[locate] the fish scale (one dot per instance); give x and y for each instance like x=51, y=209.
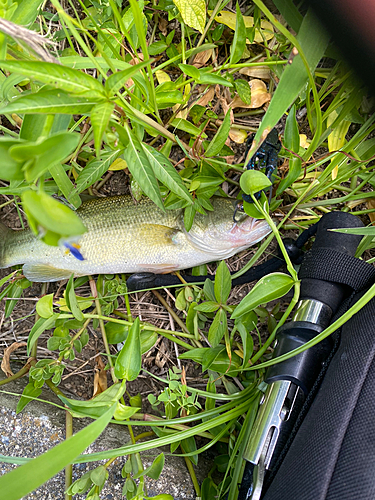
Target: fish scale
x=126, y=237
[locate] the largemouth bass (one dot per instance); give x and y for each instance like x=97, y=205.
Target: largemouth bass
x=124, y=237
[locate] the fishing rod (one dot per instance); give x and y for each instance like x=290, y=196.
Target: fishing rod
x=329, y=273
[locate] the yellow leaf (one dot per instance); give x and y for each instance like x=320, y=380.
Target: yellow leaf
x=193, y=13
x=118, y=164
x=238, y=136
x=83, y=304
x=229, y=19
x=336, y=138
x=262, y=72
x=259, y=96
x=303, y=142
x=162, y=76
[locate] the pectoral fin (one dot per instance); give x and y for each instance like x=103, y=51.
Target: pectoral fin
x=163, y=235
x=44, y=272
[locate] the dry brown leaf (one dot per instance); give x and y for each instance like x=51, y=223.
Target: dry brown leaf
x=237, y=135
x=161, y=359
x=5, y=364
x=100, y=377
x=371, y=205
x=262, y=72
x=259, y=96
x=202, y=58
x=163, y=23
x=207, y=97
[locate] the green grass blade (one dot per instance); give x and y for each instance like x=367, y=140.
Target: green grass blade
x=100, y=116
x=26, y=478
x=68, y=79
x=26, y=12
x=95, y=169
x=313, y=41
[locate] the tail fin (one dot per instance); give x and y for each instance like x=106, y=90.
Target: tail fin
x=4, y=234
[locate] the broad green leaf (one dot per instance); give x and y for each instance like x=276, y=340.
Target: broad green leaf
x=220, y=137
x=118, y=80
x=11, y=170
x=27, y=11
x=223, y=283
x=42, y=154
x=314, y=41
x=51, y=101
x=98, y=475
x=166, y=173
x=64, y=78
x=271, y=287
x=71, y=299
x=243, y=90
x=188, y=127
x=141, y=170
x=210, y=79
x=247, y=343
x=129, y=360
x=52, y=215
x=21, y=481
x=239, y=40
x=94, y=170
x=189, y=446
x=190, y=70
x=154, y=470
x=209, y=306
x=40, y=326
x=193, y=13
x=167, y=99
x=64, y=183
x=252, y=181
x=44, y=306
x=29, y=392
x=100, y=116
x=218, y=328
x=123, y=412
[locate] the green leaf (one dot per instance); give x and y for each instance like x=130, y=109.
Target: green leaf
x=51, y=101
x=154, y=470
x=314, y=41
x=27, y=11
x=193, y=13
x=118, y=80
x=166, y=173
x=43, y=210
x=44, y=306
x=40, y=326
x=239, y=39
x=189, y=446
x=210, y=79
x=223, y=283
x=28, y=394
x=220, y=137
x=291, y=142
x=188, y=127
x=271, y=287
x=61, y=77
x=243, y=90
x=64, y=183
x=100, y=116
x=253, y=181
x=218, y=328
x=124, y=412
x=247, y=343
x=71, y=299
x=98, y=475
x=11, y=170
x=190, y=70
x=209, y=306
x=44, y=153
x=129, y=360
x=21, y=481
x=95, y=169
x=141, y=169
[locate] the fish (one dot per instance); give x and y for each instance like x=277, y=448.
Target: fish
x=127, y=237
